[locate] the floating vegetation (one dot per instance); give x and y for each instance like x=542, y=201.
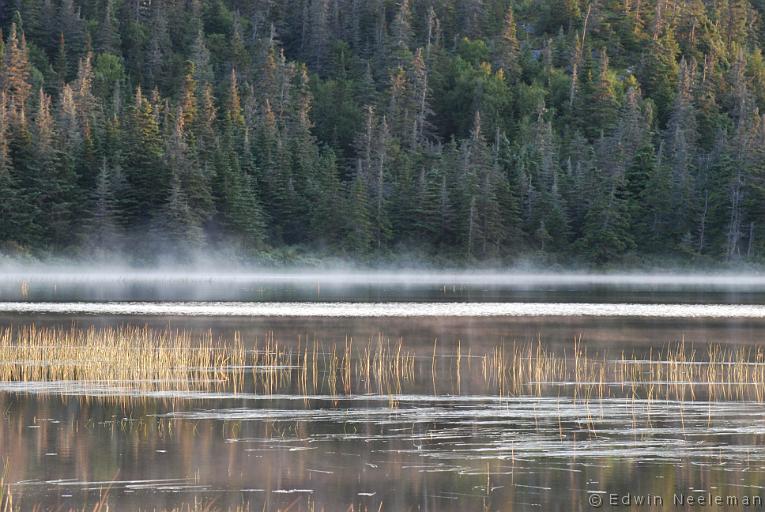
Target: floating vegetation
x=183, y=364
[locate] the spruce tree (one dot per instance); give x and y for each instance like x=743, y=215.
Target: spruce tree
x=508, y=50
x=102, y=229
x=9, y=194
x=358, y=238
x=607, y=236
x=147, y=180
x=174, y=226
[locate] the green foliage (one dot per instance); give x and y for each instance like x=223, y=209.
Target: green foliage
x=465, y=130
x=660, y=72
x=607, y=234
x=109, y=73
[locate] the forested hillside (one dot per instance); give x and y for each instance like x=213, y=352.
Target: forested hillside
x=463, y=130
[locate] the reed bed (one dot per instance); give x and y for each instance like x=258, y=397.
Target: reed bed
x=142, y=359
x=677, y=372
x=135, y=356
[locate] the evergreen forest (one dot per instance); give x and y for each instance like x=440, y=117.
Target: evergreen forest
x=604, y=132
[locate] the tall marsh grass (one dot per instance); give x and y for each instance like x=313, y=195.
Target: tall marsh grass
x=142, y=358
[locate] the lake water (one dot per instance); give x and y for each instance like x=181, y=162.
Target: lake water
x=446, y=434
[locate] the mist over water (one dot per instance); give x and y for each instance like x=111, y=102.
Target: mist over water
x=68, y=283
x=403, y=277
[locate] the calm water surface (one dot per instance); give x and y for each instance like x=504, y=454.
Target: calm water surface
x=436, y=443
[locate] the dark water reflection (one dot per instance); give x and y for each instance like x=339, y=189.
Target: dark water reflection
x=615, y=334
x=392, y=286
x=509, y=456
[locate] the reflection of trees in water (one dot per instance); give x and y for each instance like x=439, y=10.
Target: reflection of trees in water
x=457, y=454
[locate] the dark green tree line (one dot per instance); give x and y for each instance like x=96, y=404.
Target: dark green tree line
x=458, y=130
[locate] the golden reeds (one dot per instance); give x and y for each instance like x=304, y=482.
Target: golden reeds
x=140, y=359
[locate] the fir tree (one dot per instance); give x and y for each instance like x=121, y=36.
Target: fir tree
x=358, y=237
x=607, y=236
x=147, y=180
x=9, y=194
x=508, y=48
x=174, y=223
x=102, y=229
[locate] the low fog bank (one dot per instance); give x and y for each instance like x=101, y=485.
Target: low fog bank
x=335, y=274
x=403, y=268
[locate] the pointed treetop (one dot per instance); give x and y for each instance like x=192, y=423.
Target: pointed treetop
x=234, y=112
x=44, y=120
x=402, y=25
